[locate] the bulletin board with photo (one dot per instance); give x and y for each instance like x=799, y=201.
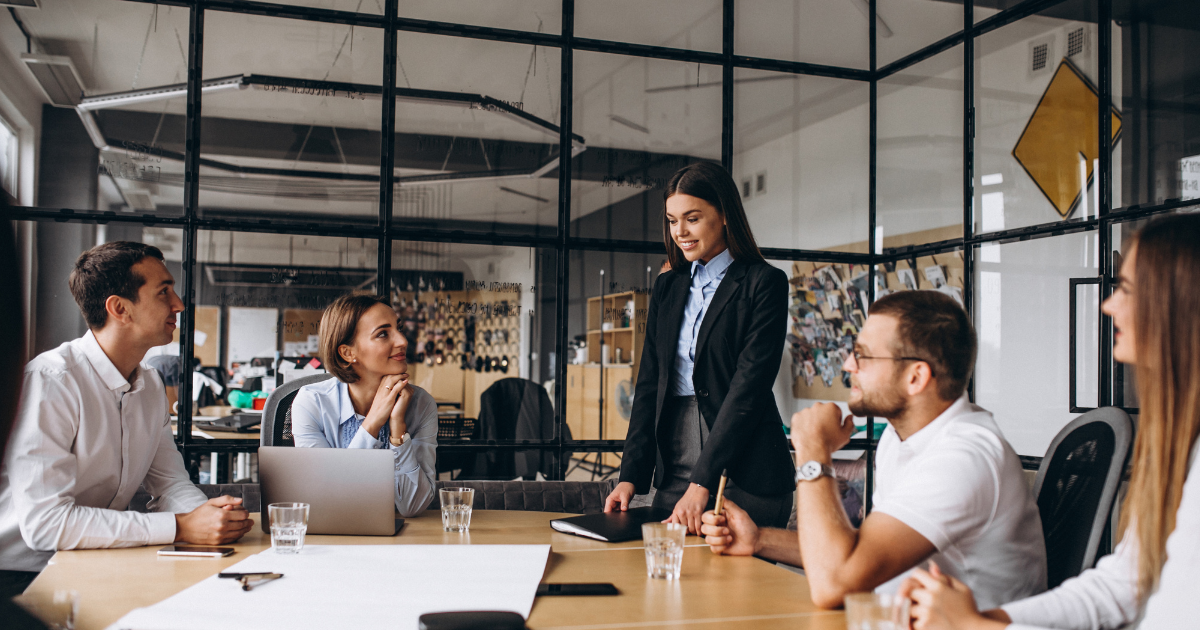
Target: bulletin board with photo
x=829, y=304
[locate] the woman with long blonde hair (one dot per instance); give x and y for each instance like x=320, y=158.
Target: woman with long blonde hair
x=1154, y=575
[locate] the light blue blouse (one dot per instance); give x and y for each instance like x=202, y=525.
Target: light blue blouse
x=705, y=280
x=322, y=413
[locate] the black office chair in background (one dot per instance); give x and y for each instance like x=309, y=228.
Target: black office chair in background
x=276, y=428
x=515, y=409
x=1075, y=487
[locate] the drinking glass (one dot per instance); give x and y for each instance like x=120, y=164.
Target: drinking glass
x=289, y=523
x=664, y=549
x=873, y=611
x=456, y=508
x=57, y=609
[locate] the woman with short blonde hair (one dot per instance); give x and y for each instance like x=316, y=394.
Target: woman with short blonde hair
x=370, y=403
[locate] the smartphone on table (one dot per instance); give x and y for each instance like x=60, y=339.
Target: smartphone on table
x=196, y=551
x=569, y=590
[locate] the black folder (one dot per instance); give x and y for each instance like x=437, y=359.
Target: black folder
x=611, y=526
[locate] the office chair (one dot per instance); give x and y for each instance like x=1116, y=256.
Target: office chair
x=515, y=409
x=276, y=428
x=1075, y=487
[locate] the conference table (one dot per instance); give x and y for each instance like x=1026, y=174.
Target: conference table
x=712, y=591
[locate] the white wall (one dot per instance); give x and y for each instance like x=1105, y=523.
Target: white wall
x=817, y=184
x=1021, y=289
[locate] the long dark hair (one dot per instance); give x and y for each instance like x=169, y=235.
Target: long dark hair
x=707, y=181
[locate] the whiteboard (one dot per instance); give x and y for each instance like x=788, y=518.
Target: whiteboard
x=252, y=333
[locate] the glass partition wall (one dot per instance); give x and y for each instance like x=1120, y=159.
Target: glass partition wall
x=498, y=173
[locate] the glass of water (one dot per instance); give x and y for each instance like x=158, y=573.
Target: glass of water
x=873, y=611
x=456, y=508
x=289, y=523
x=664, y=549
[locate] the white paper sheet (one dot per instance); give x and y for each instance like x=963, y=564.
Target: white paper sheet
x=355, y=586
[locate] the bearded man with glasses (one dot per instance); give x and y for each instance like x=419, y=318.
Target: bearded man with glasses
x=948, y=485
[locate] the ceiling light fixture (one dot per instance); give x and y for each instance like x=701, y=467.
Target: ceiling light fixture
x=176, y=90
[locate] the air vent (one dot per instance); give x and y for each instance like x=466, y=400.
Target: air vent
x=57, y=77
x=139, y=200
x=292, y=277
x=1040, y=54
x=747, y=192
x=1076, y=40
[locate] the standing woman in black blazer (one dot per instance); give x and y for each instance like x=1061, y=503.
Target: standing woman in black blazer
x=714, y=339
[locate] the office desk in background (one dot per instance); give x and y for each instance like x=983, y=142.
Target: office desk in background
x=241, y=461
x=713, y=592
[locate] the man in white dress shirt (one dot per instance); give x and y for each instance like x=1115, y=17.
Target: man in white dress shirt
x=948, y=486
x=93, y=426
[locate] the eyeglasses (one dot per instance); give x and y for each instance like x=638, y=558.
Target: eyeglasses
x=858, y=357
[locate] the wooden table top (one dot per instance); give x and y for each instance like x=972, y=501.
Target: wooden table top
x=713, y=591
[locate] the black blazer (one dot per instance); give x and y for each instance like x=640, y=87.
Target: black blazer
x=738, y=352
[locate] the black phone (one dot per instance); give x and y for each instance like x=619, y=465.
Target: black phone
x=593, y=588
x=195, y=550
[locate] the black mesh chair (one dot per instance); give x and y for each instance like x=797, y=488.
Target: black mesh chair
x=1075, y=487
x=276, y=428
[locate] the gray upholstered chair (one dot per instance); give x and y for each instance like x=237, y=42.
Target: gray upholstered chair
x=576, y=497
x=276, y=428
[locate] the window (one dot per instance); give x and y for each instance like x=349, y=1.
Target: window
x=9, y=167
x=499, y=174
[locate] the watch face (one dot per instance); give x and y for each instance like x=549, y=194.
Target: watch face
x=810, y=471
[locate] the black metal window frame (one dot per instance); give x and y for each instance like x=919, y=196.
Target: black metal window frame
x=391, y=24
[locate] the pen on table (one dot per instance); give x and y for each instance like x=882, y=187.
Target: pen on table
x=721, y=493
x=246, y=578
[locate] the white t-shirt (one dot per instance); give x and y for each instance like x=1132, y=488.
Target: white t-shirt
x=958, y=483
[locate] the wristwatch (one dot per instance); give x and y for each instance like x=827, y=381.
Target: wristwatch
x=813, y=470
x=406, y=437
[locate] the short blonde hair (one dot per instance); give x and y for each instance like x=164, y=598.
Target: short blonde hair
x=338, y=323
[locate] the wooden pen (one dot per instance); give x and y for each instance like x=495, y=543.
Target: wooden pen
x=721, y=493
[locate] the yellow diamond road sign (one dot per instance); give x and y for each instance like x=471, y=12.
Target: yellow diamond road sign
x=1062, y=131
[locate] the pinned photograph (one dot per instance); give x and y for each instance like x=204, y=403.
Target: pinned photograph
x=953, y=292
x=908, y=280
x=829, y=278
x=936, y=276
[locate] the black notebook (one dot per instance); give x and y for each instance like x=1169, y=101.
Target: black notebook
x=611, y=526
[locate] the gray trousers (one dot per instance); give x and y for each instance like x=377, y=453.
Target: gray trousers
x=682, y=434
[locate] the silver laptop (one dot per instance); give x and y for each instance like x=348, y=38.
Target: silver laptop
x=351, y=491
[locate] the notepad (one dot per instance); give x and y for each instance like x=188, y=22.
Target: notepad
x=355, y=586
x=611, y=526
